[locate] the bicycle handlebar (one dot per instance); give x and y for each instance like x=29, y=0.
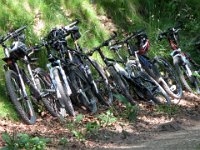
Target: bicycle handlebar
x=173, y=30
x=12, y=34
x=131, y=36
x=105, y=43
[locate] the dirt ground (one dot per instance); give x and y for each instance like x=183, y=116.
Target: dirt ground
x=151, y=130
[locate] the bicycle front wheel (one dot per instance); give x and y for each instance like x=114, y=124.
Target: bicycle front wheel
x=22, y=104
x=190, y=82
x=120, y=84
x=82, y=90
x=149, y=89
x=103, y=91
x=64, y=98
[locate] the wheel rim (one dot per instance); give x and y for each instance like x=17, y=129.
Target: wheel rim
x=168, y=76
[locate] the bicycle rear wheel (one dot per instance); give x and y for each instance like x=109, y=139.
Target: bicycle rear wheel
x=82, y=89
x=22, y=104
x=169, y=79
x=119, y=84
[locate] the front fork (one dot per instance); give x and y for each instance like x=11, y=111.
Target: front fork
x=88, y=74
x=51, y=69
x=182, y=61
x=21, y=82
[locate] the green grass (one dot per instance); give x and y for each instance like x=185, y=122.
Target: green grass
x=127, y=15
x=169, y=110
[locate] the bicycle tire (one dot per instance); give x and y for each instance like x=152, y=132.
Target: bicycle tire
x=169, y=80
x=63, y=95
x=104, y=95
x=148, y=89
x=82, y=89
x=192, y=80
x=28, y=117
x=159, y=91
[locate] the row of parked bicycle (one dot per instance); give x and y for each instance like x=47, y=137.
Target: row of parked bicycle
x=74, y=78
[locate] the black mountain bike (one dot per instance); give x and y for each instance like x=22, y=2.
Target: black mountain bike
x=183, y=63
x=24, y=85
x=121, y=78
x=91, y=69
x=145, y=87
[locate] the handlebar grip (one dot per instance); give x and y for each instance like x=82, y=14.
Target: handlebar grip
x=20, y=29
x=179, y=25
x=159, y=37
x=139, y=32
x=74, y=23
x=37, y=47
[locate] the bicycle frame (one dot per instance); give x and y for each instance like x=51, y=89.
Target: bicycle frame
x=86, y=69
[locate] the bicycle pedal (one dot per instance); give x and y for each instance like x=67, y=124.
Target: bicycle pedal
x=44, y=94
x=173, y=88
x=50, y=90
x=151, y=102
x=93, y=106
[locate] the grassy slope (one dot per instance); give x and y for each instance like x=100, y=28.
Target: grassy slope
x=127, y=15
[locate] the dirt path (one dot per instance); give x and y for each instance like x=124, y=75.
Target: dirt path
x=181, y=131
x=152, y=129
x=184, y=139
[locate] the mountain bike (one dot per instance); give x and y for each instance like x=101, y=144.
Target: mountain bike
x=143, y=85
x=91, y=69
x=182, y=62
x=122, y=78
x=23, y=86
x=60, y=84
x=158, y=68
x=72, y=75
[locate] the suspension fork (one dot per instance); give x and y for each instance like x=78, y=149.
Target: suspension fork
x=91, y=79
x=21, y=81
x=138, y=61
x=183, y=62
x=65, y=78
